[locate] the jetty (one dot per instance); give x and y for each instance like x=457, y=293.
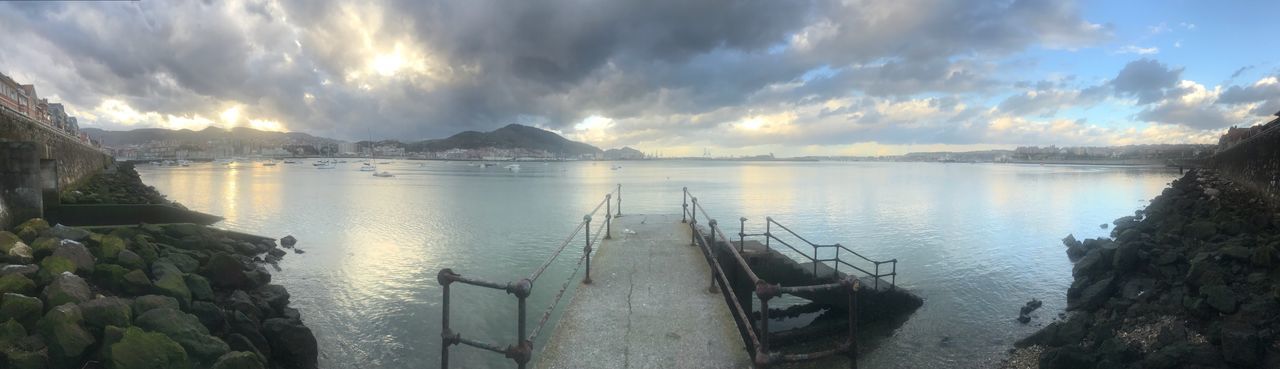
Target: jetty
x=676, y=290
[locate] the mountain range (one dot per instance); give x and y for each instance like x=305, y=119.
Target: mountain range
x=201, y=137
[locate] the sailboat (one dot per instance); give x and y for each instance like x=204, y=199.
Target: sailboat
x=368, y=168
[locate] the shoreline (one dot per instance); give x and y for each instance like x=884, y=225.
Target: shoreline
x=1189, y=281
x=148, y=295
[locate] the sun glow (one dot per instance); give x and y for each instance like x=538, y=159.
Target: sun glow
x=231, y=115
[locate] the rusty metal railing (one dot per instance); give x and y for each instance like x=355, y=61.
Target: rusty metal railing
x=756, y=337
x=836, y=261
x=522, y=351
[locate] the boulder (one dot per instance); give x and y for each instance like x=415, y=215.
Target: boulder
x=28, y=270
x=109, y=276
x=22, y=359
x=289, y=241
x=238, y=360
x=1093, y=296
x=26, y=310
x=1237, y=252
x=199, y=287
x=20, y=253
x=144, y=248
x=1263, y=256
x=1240, y=344
x=130, y=259
x=43, y=246
x=7, y=240
x=225, y=271
x=1126, y=256
x=139, y=349
x=210, y=315
x=186, y=330
x=143, y=304
x=240, y=301
x=1075, y=249
x=1202, y=229
x=238, y=342
x=257, y=277
x=163, y=267
x=17, y=283
x=173, y=285
x=68, y=233
x=1219, y=297
x=183, y=262
x=135, y=282
x=274, y=296
x=292, y=344
x=31, y=229
x=66, y=339
x=1066, y=357
x=10, y=332
x=1093, y=261
x=66, y=288
x=184, y=230
x=102, y=312
x=247, y=326
x=53, y=266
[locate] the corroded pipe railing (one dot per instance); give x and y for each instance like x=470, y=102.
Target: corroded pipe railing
x=522, y=351
x=757, y=338
x=877, y=276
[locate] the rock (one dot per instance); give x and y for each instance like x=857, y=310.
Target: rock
x=1024, y=318
x=1263, y=256
x=240, y=301
x=144, y=248
x=1103, y=225
x=25, y=310
x=11, y=332
x=199, y=287
x=185, y=263
x=1094, y=260
x=130, y=259
x=20, y=359
x=1136, y=288
x=186, y=330
x=275, y=296
x=238, y=342
x=1126, y=256
x=162, y=268
x=66, y=288
x=20, y=253
x=147, y=303
x=144, y=350
x=109, y=276
x=1240, y=344
x=210, y=315
x=238, y=360
x=1219, y=297
x=64, y=336
x=7, y=240
x=184, y=230
x=289, y=241
x=277, y=253
x=28, y=270
x=31, y=229
x=68, y=233
x=246, y=326
x=1092, y=297
x=53, y=266
x=43, y=246
x=291, y=343
x=225, y=271
x=1202, y=229
x=17, y=283
x=102, y=312
x=1237, y=252
x=173, y=285
x=135, y=282
x=111, y=248
x=257, y=277
x=1067, y=357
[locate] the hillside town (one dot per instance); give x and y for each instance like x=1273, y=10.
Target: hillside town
x=23, y=100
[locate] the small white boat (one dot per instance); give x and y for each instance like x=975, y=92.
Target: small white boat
x=513, y=167
x=326, y=166
x=269, y=163
x=184, y=163
x=616, y=167
x=383, y=174
x=155, y=163
x=290, y=162
x=384, y=162
x=368, y=168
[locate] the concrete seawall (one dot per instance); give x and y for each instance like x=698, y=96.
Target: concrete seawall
x=35, y=162
x=1254, y=163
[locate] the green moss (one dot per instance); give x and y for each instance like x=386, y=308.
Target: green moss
x=110, y=276
x=43, y=246
x=17, y=283
x=143, y=350
x=7, y=239
x=173, y=285
x=110, y=247
x=144, y=248
x=53, y=266
x=24, y=309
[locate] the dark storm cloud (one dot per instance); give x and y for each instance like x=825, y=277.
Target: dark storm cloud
x=1147, y=80
x=651, y=65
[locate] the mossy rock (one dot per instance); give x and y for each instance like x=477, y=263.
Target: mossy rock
x=39, y=224
x=7, y=240
x=183, y=262
x=17, y=283
x=21, y=359
x=130, y=259
x=102, y=312
x=186, y=330
x=173, y=285
x=10, y=332
x=66, y=339
x=43, y=246
x=66, y=288
x=110, y=276
x=147, y=303
x=139, y=349
x=144, y=248
x=239, y=360
x=53, y=266
x=199, y=287
x=24, y=309
x=135, y=282
x=109, y=247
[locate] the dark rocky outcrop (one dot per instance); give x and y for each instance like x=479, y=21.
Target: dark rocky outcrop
x=1189, y=282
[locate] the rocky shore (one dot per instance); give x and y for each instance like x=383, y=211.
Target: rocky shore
x=145, y=296
x=1189, y=282
x=120, y=186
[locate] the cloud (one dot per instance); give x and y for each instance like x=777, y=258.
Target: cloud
x=1131, y=49
x=1147, y=80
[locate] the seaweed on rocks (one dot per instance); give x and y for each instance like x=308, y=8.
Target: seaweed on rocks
x=1189, y=282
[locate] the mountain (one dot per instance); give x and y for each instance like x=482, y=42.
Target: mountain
x=513, y=136
x=186, y=136
x=623, y=153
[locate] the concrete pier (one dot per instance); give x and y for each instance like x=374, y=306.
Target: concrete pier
x=648, y=306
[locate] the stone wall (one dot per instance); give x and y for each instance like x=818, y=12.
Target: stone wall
x=1255, y=163
x=35, y=162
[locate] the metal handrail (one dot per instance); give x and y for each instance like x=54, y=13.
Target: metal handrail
x=893, y=274
x=758, y=342
x=522, y=351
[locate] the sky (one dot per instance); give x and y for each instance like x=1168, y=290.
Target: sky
x=669, y=77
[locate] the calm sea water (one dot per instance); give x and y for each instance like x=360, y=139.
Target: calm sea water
x=975, y=240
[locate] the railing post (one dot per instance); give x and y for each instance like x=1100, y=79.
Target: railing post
x=838, y=247
x=711, y=249
x=619, y=201
x=693, y=222
x=447, y=338
x=877, y=277
x=523, y=350
x=684, y=205
x=768, y=225
x=765, y=292
x=586, y=250
x=893, y=283
x=608, y=218
x=742, y=233
x=815, y=261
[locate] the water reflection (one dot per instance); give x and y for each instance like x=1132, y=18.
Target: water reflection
x=977, y=240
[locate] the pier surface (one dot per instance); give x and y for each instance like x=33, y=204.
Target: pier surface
x=648, y=306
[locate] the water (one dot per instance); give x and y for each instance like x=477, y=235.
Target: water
x=975, y=240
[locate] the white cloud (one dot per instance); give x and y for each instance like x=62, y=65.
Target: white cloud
x=1133, y=49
